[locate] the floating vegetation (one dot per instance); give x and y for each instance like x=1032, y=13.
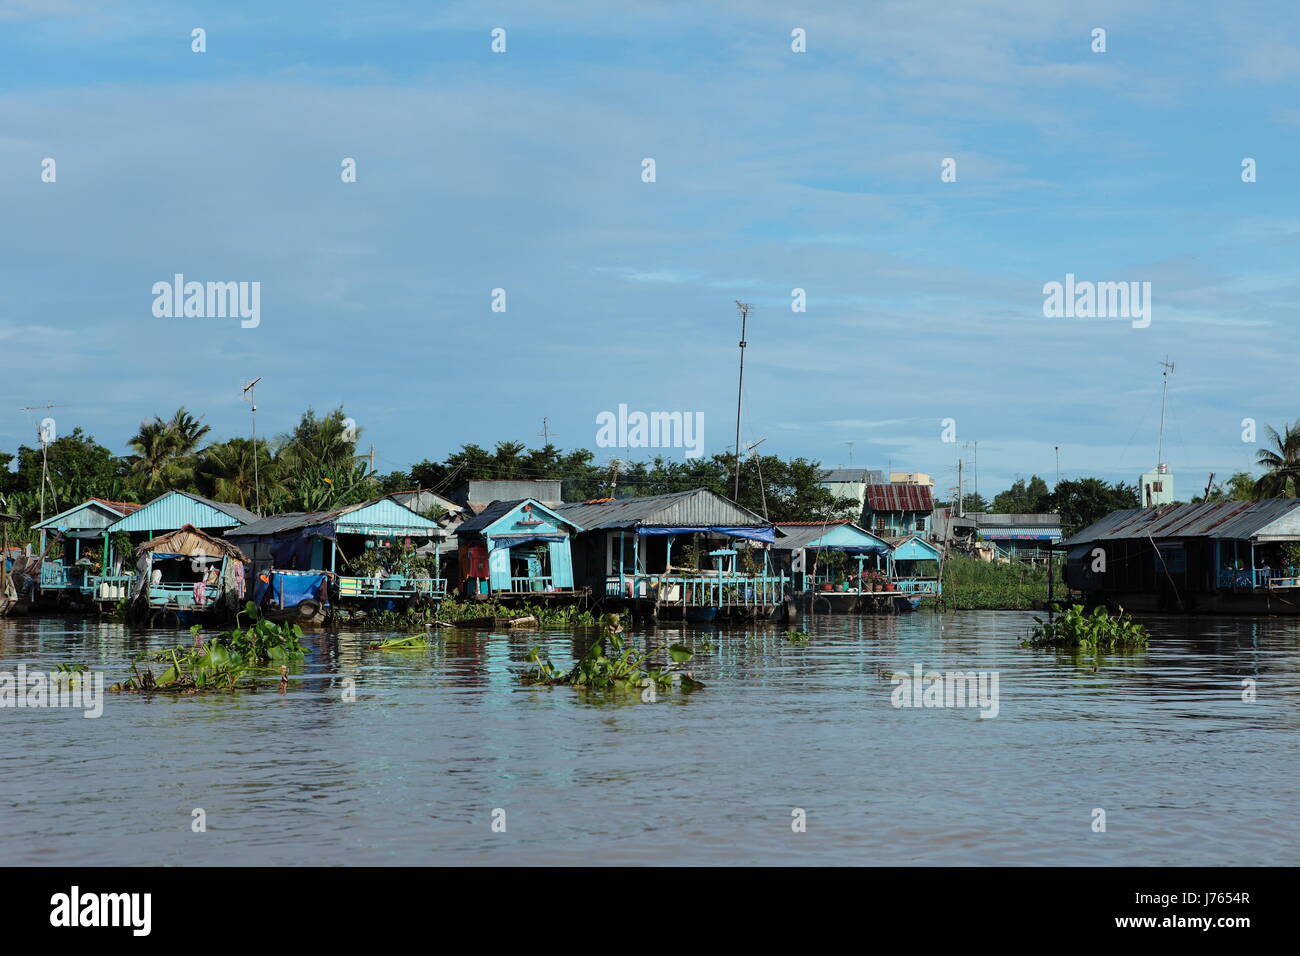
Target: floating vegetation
x=414, y=642
x=226, y=662
x=1074, y=628
x=795, y=636
x=454, y=612
x=611, y=665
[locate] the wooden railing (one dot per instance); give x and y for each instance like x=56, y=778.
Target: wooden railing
x=725, y=590
x=391, y=587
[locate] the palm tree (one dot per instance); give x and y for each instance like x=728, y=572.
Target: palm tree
x=164, y=450
x=154, y=461
x=1282, y=463
x=225, y=471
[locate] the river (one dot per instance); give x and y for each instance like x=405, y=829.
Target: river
x=792, y=753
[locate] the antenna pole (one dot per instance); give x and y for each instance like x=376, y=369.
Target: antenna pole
x=740, y=389
x=249, y=390
x=1164, y=392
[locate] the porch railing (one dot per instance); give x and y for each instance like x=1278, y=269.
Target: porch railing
x=182, y=593
x=728, y=590
x=918, y=585
x=532, y=584
x=108, y=587
x=391, y=587
x=1251, y=579
x=54, y=574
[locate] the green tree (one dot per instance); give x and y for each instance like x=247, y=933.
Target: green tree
x=226, y=471
x=1281, y=478
x=1023, y=497
x=1084, y=500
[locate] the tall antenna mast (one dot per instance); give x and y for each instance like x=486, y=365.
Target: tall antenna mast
x=45, y=436
x=546, y=434
x=252, y=399
x=1164, y=392
x=744, y=308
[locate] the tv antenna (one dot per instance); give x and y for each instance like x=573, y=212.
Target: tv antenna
x=744, y=308
x=1164, y=393
x=546, y=434
x=251, y=398
x=46, y=433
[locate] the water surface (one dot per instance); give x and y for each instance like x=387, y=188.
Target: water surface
x=411, y=771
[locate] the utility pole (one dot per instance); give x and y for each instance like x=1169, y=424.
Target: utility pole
x=372, y=458
x=613, y=483
x=850, y=444
x=1058, y=466
x=252, y=400
x=740, y=389
x=961, y=513
x=1209, y=486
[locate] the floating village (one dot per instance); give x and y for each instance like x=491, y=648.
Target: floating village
x=689, y=556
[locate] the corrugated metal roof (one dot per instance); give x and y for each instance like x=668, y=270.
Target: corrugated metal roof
x=91, y=513
x=406, y=519
x=175, y=509
x=696, y=508
x=800, y=534
x=1215, y=519
x=899, y=497
x=1010, y=520
x=865, y=476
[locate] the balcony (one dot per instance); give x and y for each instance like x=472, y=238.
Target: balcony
x=1255, y=579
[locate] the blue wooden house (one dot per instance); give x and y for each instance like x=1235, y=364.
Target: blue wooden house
x=916, y=567
x=81, y=530
x=514, y=548
x=376, y=554
x=170, y=511
x=898, y=509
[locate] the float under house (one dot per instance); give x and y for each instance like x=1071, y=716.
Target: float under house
x=184, y=575
x=692, y=554
x=838, y=565
x=1236, y=557
x=518, y=548
x=81, y=533
x=170, y=511
x=376, y=555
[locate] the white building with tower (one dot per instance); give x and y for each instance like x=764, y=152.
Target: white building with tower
x=1156, y=487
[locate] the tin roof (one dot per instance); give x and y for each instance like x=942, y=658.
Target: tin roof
x=1009, y=520
x=801, y=534
x=899, y=497
x=866, y=476
x=175, y=509
x=696, y=508
x=1239, y=520
x=403, y=520
x=499, y=509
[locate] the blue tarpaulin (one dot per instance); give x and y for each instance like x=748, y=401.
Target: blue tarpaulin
x=295, y=588
x=754, y=534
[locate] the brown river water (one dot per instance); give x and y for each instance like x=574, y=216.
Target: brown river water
x=793, y=753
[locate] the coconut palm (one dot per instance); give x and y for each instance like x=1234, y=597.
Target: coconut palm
x=164, y=450
x=1281, y=478
x=226, y=472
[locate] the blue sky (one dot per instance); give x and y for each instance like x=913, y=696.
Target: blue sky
x=775, y=170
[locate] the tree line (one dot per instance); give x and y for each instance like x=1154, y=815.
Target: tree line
x=315, y=467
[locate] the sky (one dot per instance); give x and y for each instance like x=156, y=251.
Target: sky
x=775, y=170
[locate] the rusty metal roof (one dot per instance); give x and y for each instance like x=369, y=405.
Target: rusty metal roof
x=1215, y=519
x=899, y=497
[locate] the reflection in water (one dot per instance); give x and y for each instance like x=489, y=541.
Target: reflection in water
x=410, y=770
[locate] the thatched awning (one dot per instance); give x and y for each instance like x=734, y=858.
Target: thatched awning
x=190, y=541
